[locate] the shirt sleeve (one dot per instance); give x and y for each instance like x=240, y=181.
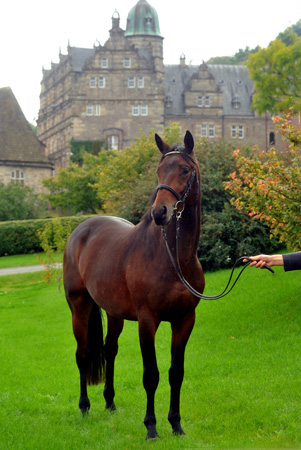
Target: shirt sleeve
x=292, y=261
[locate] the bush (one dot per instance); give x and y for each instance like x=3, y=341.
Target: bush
x=19, y=203
x=21, y=236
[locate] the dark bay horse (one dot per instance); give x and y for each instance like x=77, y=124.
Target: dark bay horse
x=124, y=269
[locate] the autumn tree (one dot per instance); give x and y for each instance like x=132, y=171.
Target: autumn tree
x=268, y=185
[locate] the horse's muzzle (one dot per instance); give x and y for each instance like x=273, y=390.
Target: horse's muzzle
x=160, y=215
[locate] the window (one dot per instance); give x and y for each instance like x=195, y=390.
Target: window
x=139, y=110
x=233, y=131
x=207, y=102
x=144, y=110
x=237, y=131
x=17, y=176
x=89, y=110
x=92, y=82
x=140, y=82
x=127, y=62
x=104, y=63
x=131, y=82
x=200, y=102
x=97, y=110
x=211, y=130
x=101, y=82
x=113, y=142
x=272, y=138
x=204, y=130
x=135, y=110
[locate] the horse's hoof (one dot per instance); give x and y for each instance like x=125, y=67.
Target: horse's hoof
x=111, y=406
x=152, y=437
x=178, y=431
x=84, y=405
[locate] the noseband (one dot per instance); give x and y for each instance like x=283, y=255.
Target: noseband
x=180, y=204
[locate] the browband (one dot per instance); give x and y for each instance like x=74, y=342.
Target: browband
x=178, y=152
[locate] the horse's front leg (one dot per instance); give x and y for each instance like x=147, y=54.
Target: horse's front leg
x=147, y=330
x=115, y=327
x=180, y=335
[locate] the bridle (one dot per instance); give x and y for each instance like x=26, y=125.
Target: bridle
x=180, y=204
x=178, y=210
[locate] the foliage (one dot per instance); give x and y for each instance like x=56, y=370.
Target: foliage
x=18, y=202
x=79, y=148
x=74, y=187
x=21, y=236
x=127, y=181
x=286, y=35
x=239, y=57
x=226, y=234
x=53, y=238
x=276, y=73
x=268, y=186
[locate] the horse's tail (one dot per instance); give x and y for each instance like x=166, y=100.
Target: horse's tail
x=96, y=369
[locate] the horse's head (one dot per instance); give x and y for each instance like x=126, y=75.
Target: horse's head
x=176, y=175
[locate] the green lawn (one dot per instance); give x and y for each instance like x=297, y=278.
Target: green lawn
x=242, y=372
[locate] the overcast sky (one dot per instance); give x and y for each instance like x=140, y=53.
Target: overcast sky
x=32, y=32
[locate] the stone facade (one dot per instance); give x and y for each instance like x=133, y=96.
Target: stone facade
x=111, y=92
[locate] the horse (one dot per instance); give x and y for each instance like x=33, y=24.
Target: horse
x=125, y=270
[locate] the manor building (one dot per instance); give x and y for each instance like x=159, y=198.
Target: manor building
x=111, y=92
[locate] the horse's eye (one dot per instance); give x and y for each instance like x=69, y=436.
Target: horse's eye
x=185, y=170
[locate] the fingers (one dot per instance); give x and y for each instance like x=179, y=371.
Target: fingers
x=259, y=261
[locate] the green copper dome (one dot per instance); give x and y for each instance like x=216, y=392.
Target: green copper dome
x=142, y=20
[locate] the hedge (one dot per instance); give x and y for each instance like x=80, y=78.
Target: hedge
x=20, y=236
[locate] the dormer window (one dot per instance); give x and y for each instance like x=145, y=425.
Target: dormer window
x=148, y=20
x=236, y=101
x=207, y=102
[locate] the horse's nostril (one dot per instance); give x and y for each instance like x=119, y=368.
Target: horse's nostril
x=159, y=215
x=163, y=211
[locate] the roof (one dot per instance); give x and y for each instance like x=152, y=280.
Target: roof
x=18, y=142
x=233, y=81
x=142, y=20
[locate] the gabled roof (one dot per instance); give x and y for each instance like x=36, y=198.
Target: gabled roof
x=233, y=81
x=18, y=144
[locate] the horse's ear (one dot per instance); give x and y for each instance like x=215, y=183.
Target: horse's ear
x=162, y=146
x=189, y=142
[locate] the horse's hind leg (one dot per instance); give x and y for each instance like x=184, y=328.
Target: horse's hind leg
x=180, y=335
x=87, y=328
x=115, y=327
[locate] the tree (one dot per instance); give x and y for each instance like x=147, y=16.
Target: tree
x=268, y=186
x=78, y=149
x=127, y=181
x=74, y=187
x=18, y=202
x=276, y=73
x=239, y=57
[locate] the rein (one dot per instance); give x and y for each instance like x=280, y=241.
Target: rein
x=193, y=291
x=178, y=210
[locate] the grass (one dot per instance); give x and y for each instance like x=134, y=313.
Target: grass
x=242, y=372
x=30, y=259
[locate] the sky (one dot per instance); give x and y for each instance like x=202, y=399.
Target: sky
x=33, y=32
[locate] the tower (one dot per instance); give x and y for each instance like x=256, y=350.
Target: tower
x=143, y=30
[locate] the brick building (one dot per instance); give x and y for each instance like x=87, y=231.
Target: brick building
x=111, y=92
